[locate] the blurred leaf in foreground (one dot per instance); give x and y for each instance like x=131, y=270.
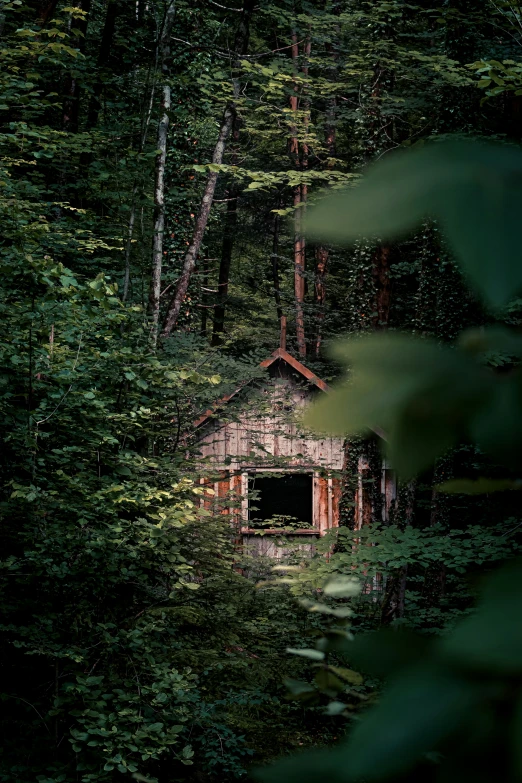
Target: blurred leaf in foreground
x=479, y=486
x=420, y=394
x=448, y=706
x=474, y=189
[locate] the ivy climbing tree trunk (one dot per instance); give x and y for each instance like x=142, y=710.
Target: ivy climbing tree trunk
x=381, y=274
x=299, y=267
x=159, y=178
x=322, y=253
x=321, y=265
x=229, y=116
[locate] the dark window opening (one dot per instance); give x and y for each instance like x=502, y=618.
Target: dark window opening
x=282, y=501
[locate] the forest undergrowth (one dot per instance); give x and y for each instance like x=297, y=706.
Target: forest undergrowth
x=158, y=161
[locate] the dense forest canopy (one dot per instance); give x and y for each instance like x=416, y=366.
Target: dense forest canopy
x=159, y=164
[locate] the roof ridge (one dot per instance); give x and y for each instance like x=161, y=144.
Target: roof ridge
x=279, y=353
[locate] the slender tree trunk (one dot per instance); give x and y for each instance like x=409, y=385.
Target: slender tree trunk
x=132, y=216
x=71, y=104
x=321, y=252
x=226, y=260
x=300, y=195
x=109, y=27
x=204, y=298
x=227, y=246
x=393, y=604
x=159, y=178
x=128, y=245
x=189, y=263
x=45, y=9
x=275, y=267
x=299, y=268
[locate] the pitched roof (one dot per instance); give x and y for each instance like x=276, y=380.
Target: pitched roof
x=278, y=354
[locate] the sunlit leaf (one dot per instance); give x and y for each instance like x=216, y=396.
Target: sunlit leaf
x=314, y=655
x=342, y=587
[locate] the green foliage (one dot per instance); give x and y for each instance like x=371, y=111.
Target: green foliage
x=450, y=711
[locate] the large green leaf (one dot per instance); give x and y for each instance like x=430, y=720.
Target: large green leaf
x=420, y=709
x=497, y=428
x=326, y=765
x=423, y=396
x=473, y=189
x=491, y=639
x=384, y=653
x=480, y=486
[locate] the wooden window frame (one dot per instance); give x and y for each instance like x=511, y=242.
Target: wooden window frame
x=316, y=530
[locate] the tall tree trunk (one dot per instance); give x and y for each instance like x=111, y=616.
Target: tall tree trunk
x=321, y=252
x=229, y=116
x=109, y=27
x=189, y=263
x=159, y=178
x=204, y=298
x=224, y=266
x=300, y=195
x=71, y=104
x=227, y=246
x=275, y=267
x=128, y=245
x=381, y=274
x=44, y=9
x=299, y=268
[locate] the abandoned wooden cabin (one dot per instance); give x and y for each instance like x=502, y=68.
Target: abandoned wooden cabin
x=272, y=476
x=281, y=478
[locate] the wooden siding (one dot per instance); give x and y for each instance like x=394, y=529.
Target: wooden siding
x=272, y=437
